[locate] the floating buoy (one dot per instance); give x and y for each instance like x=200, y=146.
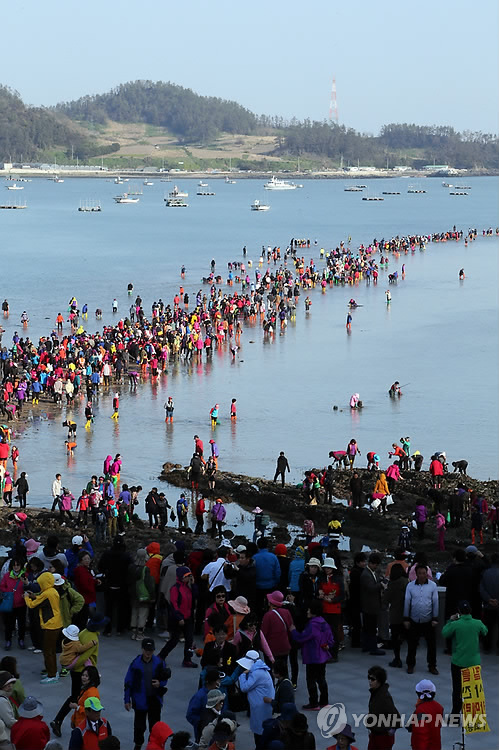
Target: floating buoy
x=335, y=408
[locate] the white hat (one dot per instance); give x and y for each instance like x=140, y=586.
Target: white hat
x=240, y=548
x=248, y=661
x=77, y=539
x=30, y=708
x=329, y=563
x=58, y=579
x=72, y=632
x=314, y=561
x=426, y=688
x=257, y=510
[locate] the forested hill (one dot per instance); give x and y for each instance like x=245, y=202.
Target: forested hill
x=26, y=131
x=186, y=114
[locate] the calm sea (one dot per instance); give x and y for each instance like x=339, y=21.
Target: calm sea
x=438, y=336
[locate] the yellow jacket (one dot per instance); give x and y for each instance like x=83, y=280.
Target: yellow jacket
x=47, y=602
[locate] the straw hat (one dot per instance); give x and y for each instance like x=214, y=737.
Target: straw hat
x=240, y=605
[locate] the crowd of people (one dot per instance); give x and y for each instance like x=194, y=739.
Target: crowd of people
x=252, y=610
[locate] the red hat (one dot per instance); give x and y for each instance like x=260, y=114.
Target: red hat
x=281, y=549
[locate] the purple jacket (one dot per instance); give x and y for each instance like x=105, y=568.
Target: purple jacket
x=218, y=512
x=421, y=514
x=316, y=641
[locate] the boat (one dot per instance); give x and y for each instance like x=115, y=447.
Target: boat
x=462, y=187
x=13, y=205
x=362, y=187
x=56, y=178
x=148, y=182
x=447, y=184
x=275, y=184
x=202, y=184
x=176, y=202
x=118, y=181
x=205, y=192
x=352, y=189
x=257, y=206
x=125, y=198
x=15, y=187
x=135, y=192
x=176, y=193
x=228, y=181
x=90, y=207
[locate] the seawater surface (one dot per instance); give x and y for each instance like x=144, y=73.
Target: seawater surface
x=438, y=335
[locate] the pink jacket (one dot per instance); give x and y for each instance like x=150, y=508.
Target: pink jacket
x=440, y=520
x=9, y=584
x=393, y=472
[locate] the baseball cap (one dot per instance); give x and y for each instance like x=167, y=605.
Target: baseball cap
x=77, y=539
x=148, y=644
x=240, y=548
x=94, y=704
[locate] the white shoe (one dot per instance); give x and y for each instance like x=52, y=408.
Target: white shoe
x=37, y=651
x=31, y=648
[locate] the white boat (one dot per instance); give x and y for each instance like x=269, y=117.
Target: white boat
x=90, y=207
x=447, y=184
x=15, y=187
x=176, y=193
x=125, y=198
x=118, y=181
x=257, y=206
x=229, y=181
x=148, y=182
x=275, y=184
x=56, y=178
x=202, y=184
x=462, y=187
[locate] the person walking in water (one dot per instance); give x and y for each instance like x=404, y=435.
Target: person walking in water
x=115, y=305
x=169, y=407
x=116, y=406
x=281, y=468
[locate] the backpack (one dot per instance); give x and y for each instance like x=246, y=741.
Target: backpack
x=141, y=589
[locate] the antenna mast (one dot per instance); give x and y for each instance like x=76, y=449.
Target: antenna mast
x=333, y=106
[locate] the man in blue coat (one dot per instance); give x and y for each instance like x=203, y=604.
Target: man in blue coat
x=145, y=685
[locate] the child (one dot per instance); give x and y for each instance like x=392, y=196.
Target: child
x=7, y=489
x=405, y=539
x=72, y=648
x=70, y=447
x=233, y=411
x=14, y=454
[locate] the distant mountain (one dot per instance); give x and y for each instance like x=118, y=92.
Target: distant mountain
x=188, y=115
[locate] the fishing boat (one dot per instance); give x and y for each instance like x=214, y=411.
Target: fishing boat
x=176, y=193
x=13, y=205
x=148, y=182
x=228, y=181
x=202, y=184
x=90, y=207
x=14, y=186
x=462, y=187
x=372, y=198
x=275, y=184
x=461, y=192
x=56, y=178
x=176, y=203
x=352, y=189
x=389, y=192
x=205, y=192
x=125, y=198
x=447, y=184
x=257, y=206
x=118, y=181
x=362, y=187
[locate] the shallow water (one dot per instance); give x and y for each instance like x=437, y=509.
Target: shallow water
x=438, y=335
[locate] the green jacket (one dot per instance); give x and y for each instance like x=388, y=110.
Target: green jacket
x=71, y=603
x=465, y=633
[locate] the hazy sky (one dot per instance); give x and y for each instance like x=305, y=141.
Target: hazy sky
x=431, y=61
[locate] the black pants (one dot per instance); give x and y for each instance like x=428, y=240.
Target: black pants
x=152, y=714
x=73, y=698
x=35, y=629
x=80, y=618
x=175, y=633
x=416, y=631
x=281, y=474
x=116, y=600
x=369, y=631
x=397, y=631
x=18, y=614
x=22, y=499
x=316, y=678
x=199, y=524
x=355, y=626
x=456, y=689
x=490, y=618
x=214, y=526
x=293, y=663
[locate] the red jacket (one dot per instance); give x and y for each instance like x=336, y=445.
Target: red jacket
x=426, y=734
x=85, y=583
x=30, y=734
x=159, y=735
x=436, y=468
x=276, y=626
x=9, y=584
x=84, y=738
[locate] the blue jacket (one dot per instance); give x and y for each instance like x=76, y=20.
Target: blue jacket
x=257, y=685
x=72, y=557
x=195, y=708
x=296, y=568
x=268, y=570
x=135, y=689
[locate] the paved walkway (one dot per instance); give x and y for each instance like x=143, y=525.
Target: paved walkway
x=347, y=684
